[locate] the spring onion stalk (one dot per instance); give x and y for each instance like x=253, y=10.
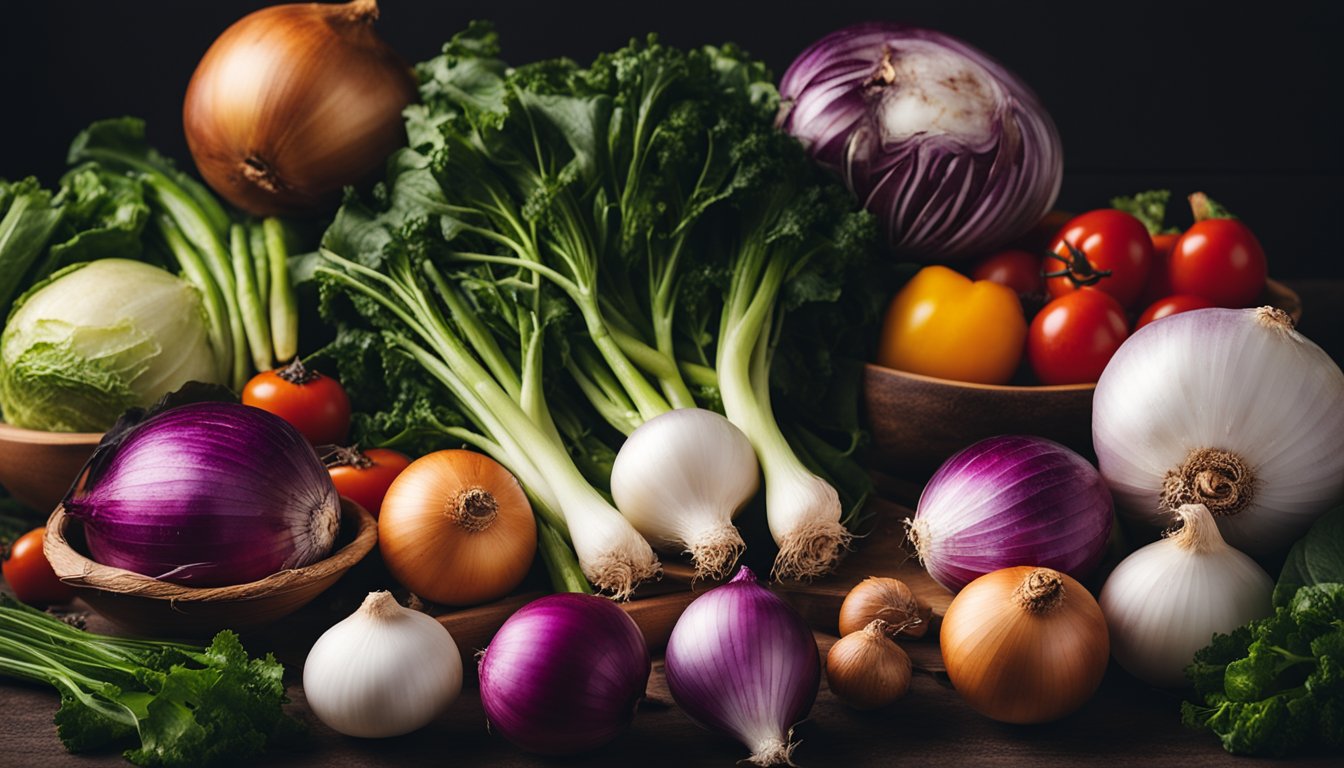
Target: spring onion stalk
x=198, y=274
x=613, y=556
x=283, y=306
x=256, y=323
x=261, y=264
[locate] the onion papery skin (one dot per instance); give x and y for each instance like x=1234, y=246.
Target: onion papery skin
x=564, y=674
x=1012, y=500
x=1236, y=381
x=940, y=191
x=293, y=102
x=210, y=495
x=741, y=661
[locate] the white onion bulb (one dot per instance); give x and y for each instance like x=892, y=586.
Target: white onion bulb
x=1230, y=408
x=1165, y=601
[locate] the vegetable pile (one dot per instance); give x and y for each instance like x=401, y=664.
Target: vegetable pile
x=563, y=246
x=174, y=704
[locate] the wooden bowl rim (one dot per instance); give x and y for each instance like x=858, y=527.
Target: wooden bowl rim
x=79, y=571
x=12, y=434
x=1285, y=298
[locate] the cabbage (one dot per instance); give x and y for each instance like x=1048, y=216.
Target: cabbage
x=98, y=338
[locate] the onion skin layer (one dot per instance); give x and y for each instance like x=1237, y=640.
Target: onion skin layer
x=564, y=674
x=293, y=102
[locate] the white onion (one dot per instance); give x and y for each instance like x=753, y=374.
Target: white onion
x=1239, y=395
x=1166, y=601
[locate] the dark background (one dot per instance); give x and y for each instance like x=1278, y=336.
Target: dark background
x=1238, y=100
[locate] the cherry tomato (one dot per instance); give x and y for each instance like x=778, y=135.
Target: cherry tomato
x=30, y=575
x=1221, y=260
x=1159, y=277
x=365, y=476
x=315, y=404
x=1017, y=269
x=1074, y=336
x=1112, y=241
x=1171, y=305
x=942, y=324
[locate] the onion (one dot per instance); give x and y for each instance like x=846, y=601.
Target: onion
x=456, y=528
x=952, y=152
x=741, y=661
x=564, y=673
x=207, y=494
x=1229, y=408
x=1025, y=645
x=866, y=669
x=292, y=103
x=1011, y=500
x=1164, y=602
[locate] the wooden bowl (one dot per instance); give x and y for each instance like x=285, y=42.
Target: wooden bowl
x=147, y=606
x=37, y=468
x=917, y=422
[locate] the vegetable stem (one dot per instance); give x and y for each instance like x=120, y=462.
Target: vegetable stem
x=283, y=306
x=256, y=324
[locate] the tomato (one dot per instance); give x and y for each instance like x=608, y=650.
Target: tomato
x=1159, y=277
x=1221, y=260
x=943, y=324
x=1074, y=336
x=1017, y=269
x=1171, y=305
x=30, y=575
x=365, y=476
x=315, y=404
x=1113, y=241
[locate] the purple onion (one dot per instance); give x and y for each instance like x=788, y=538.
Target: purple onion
x=741, y=661
x=208, y=494
x=952, y=153
x=564, y=673
x=1008, y=501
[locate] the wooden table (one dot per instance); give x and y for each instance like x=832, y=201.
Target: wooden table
x=1126, y=723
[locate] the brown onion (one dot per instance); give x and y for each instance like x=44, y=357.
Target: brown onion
x=879, y=597
x=1025, y=644
x=292, y=103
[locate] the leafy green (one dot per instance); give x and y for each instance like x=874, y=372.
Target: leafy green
x=29, y=217
x=617, y=233
x=1150, y=208
x=1317, y=558
x=173, y=704
x=1276, y=686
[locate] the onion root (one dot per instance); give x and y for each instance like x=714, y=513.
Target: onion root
x=810, y=550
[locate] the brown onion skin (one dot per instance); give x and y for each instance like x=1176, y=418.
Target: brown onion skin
x=293, y=102
x=1021, y=666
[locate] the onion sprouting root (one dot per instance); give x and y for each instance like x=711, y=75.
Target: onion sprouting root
x=811, y=549
x=618, y=575
x=715, y=550
x=774, y=752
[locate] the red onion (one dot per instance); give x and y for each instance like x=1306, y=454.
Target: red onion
x=741, y=661
x=952, y=152
x=207, y=494
x=564, y=673
x=1009, y=501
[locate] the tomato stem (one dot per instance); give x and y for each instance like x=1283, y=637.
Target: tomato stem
x=1204, y=208
x=339, y=456
x=1077, y=268
x=296, y=373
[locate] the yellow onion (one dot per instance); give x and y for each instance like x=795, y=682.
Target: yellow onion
x=456, y=528
x=1025, y=644
x=292, y=103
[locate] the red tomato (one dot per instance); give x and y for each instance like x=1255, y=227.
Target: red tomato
x=1017, y=269
x=315, y=404
x=365, y=477
x=1221, y=260
x=30, y=575
x=1074, y=336
x=1171, y=305
x=1112, y=241
x=1159, y=277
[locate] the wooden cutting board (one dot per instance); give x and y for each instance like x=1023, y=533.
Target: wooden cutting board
x=657, y=606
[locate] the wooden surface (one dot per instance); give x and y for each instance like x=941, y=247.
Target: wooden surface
x=1126, y=723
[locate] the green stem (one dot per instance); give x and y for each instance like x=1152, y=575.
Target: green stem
x=561, y=564
x=261, y=267
x=255, y=322
x=197, y=273
x=283, y=305
x=477, y=335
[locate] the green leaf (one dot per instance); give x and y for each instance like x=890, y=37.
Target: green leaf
x=1316, y=558
x=1150, y=208
x=30, y=219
